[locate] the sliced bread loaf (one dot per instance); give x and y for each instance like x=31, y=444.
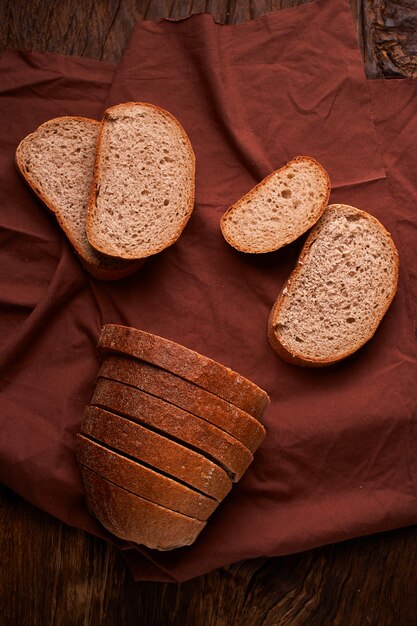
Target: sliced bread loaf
x=185, y=395
x=157, y=451
x=57, y=163
x=279, y=209
x=178, y=424
x=343, y=284
x=200, y=370
x=142, y=480
x=135, y=519
x=143, y=186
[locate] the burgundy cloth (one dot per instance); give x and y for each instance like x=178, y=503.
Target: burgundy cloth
x=338, y=460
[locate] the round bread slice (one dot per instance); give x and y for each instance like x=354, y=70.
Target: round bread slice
x=57, y=161
x=342, y=286
x=173, y=357
x=143, y=481
x=182, y=426
x=175, y=390
x=157, y=451
x=279, y=209
x=143, y=184
x=132, y=518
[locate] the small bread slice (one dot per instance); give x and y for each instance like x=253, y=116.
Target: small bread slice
x=196, y=368
x=182, y=426
x=143, y=186
x=143, y=481
x=56, y=161
x=342, y=286
x=157, y=451
x=279, y=209
x=129, y=517
x=183, y=394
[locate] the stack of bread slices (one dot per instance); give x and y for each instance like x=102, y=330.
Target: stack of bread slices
x=166, y=435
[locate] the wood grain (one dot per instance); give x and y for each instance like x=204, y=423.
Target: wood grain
x=55, y=575
x=100, y=29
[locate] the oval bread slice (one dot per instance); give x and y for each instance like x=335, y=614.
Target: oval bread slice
x=57, y=161
x=183, y=394
x=196, y=368
x=175, y=422
x=279, y=209
x=143, y=184
x=143, y=481
x=157, y=451
x=132, y=518
x=342, y=286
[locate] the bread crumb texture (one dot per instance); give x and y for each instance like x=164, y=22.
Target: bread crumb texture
x=145, y=182
x=341, y=288
x=278, y=210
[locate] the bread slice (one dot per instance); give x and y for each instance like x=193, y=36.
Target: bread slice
x=142, y=480
x=143, y=186
x=168, y=419
x=183, y=394
x=342, y=286
x=135, y=519
x=157, y=451
x=57, y=163
x=200, y=370
x=279, y=209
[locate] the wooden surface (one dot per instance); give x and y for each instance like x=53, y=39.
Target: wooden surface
x=55, y=575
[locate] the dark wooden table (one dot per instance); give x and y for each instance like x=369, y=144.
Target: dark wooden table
x=53, y=575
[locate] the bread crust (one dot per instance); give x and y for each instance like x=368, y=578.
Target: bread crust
x=188, y=364
x=150, y=447
x=96, y=176
x=132, y=518
x=252, y=193
x=284, y=351
x=170, y=420
x=95, y=269
x=175, y=390
x=142, y=480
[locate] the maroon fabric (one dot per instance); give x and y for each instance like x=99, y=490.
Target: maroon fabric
x=338, y=460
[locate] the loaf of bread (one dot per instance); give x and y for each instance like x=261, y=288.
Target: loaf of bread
x=57, y=163
x=279, y=209
x=143, y=184
x=183, y=394
x=342, y=286
x=196, y=368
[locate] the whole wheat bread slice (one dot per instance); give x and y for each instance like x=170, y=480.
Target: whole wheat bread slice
x=143, y=184
x=279, y=209
x=142, y=480
x=157, y=451
x=168, y=419
x=129, y=517
x=342, y=286
x=196, y=368
x=183, y=394
x=57, y=161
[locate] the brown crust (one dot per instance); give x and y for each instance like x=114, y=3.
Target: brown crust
x=183, y=394
x=185, y=363
x=132, y=518
x=92, y=203
x=170, y=420
x=94, y=269
x=296, y=358
x=143, y=481
x=253, y=192
x=155, y=450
